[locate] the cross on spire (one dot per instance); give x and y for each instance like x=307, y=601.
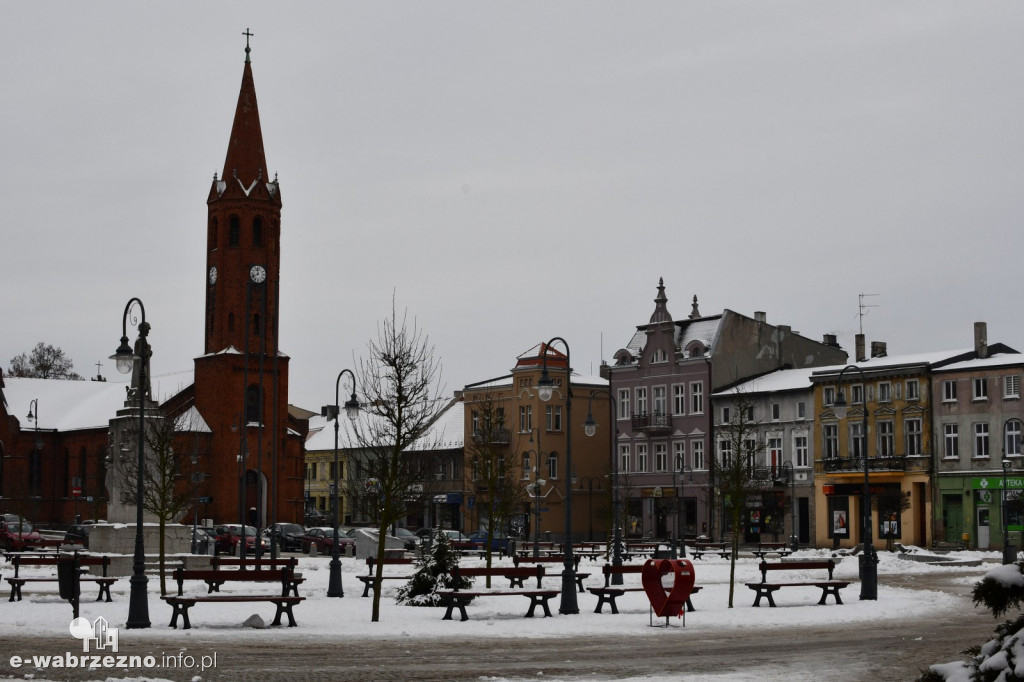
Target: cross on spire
x=247, y=35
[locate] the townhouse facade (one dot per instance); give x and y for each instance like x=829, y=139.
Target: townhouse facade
x=662, y=382
x=979, y=466
x=506, y=421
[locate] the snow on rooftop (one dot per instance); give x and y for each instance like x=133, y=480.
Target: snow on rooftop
x=782, y=380
x=997, y=360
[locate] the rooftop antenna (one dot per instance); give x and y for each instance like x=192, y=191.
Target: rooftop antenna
x=863, y=308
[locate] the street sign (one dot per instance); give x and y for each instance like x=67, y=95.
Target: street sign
x=77, y=492
x=544, y=509
x=332, y=490
x=206, y=499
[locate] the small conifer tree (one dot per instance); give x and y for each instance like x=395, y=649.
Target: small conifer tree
x=433, y=572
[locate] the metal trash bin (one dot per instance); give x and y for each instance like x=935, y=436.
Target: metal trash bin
x=69, y=581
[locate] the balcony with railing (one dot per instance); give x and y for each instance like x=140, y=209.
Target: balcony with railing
x=493, y=437
x=855, y=465
x=652, y=423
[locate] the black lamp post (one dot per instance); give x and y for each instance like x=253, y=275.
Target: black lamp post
x=680, y=468
x=334, y=587
x=538, y=482
x=545, y=389
x=590, y=429
x=138, y=604
x=868, y=559
x=794, y=540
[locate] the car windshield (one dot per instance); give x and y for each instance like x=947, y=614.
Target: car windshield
x=19, y=528
x=249, y=530
x=290, y=528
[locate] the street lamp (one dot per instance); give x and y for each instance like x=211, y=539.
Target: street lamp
x=590, y=480
x=590, y=429
x=537, y=497
x=35, y=461
x=545, y=388
x=868, y=560
x=334, y=588
x=138, y=604
x=794, y=541
x=679, y=467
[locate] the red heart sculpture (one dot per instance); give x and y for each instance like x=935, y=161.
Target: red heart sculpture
x=667, y=583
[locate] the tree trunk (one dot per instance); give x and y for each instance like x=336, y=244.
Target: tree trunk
x=378, y=583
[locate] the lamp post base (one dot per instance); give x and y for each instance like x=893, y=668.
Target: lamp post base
x=334, y=587
x=869, y=574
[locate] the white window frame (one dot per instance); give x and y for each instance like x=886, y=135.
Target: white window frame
x=679, y=455
x=886, y=438
x=624, y=458
x=553, y=415
x=949, y=391
x=661, y=456
x=696, y=397
x=951, y=441
x=913, y=436
x=640, y=396
x=828, y=396
x=679, y=399
x=982, y=444
x=884, y=392
x=641, y=458
x=697, y=455
x=553, y=465
x=913, y=389
x=979, y=389
x=659, y=400
x=726, y=414
x=1011, y=386
x=800, y=450
x=830, y=441
x=624, y=404
x=1011, y=438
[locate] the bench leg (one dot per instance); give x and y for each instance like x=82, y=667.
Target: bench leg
x=286, y=608
x=451, y=602
x=15, y=591
x=689, y=605
x=827, y=590
x=182, y=609
x=366, y=588
x=104, y=591
x=534, y=601
x=767, y=592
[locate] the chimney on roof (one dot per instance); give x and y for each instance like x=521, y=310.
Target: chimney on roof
x=858, y=348
x=785, y=329
x=760, y=316
x=830, y=340
x=980, y=340
x=878, y=349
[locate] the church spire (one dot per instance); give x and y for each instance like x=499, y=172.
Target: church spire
x=246, y=160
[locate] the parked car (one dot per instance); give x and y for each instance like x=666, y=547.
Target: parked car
x=228, y=535
x=288, y=536
x=78, y=534
x=322, y=537
x=202, y=540
x=315, y=517
x=408, y=538
x=18, y=537
x=499, y=543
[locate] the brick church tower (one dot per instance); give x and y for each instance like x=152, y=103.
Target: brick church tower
x=241, y=380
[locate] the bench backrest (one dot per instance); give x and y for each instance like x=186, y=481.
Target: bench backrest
x=258, y=564
x=52, y=559
x=459, y=572
x=608, y=570
x=771, y=545
x=797, y=566
x=545, y=560
x=283, y=576
x=372, y=560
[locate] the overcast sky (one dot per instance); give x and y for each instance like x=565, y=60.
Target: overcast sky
x=512, y=172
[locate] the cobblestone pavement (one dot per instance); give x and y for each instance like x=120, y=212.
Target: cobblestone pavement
x=890, y=650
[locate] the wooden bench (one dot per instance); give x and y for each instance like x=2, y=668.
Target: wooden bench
x=580, y=577
x=456, y=598
x=719, y=548
x=765, y=548
x=829, y=586
x=371, y=577
x=609, y=593
x=255, y=565
x=181, y=603
x=526, y=549
x=17, y=582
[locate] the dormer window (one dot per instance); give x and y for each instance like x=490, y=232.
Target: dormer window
x=659, y=356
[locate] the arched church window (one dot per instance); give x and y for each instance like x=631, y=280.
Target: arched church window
x=233, y=231
x=231, y=322
x=256, y=324
x=213, y=233
x=257, y=231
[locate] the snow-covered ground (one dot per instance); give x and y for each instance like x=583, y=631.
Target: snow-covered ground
x=44, y=614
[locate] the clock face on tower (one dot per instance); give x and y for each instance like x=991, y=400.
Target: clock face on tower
x=257, y=274
x=213, y=275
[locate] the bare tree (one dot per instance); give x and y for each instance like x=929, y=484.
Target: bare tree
x=166, y=475
x=44, y=362
x=738, y=473
x=402, y=399
x=890, y=505
x=497, y=469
